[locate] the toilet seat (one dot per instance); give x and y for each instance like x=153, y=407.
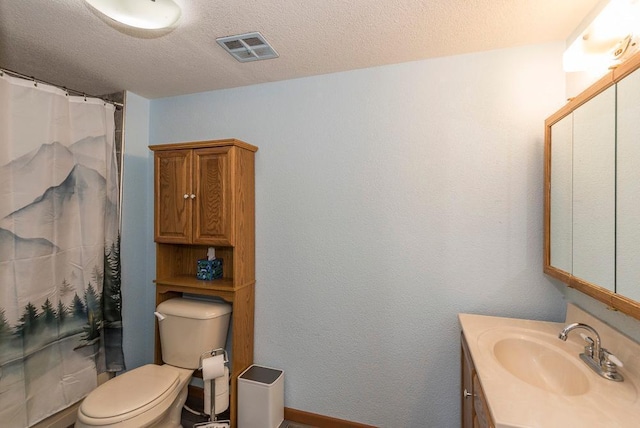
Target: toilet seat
x=131, y=394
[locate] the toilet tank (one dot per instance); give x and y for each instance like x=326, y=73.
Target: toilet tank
x=191, y=327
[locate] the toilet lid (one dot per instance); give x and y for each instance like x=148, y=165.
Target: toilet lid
x=131, y=391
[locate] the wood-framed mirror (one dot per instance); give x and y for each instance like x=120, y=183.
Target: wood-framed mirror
x=592, y=190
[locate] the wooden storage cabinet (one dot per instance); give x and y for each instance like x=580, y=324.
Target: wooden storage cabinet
x=172, y=203
x=195, y=195
x=475, y=412
x=205, y=197
x=214, y=184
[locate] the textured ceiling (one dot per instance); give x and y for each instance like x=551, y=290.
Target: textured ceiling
x=67, y=43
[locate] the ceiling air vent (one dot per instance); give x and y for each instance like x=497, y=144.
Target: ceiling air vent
x=247, y=47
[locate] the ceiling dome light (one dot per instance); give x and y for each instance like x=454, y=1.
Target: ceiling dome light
x=147, y=14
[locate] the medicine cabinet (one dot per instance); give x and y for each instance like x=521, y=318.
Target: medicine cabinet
x=592, y=190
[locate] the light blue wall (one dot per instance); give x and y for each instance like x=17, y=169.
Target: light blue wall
x=624, y=323
x=137, y=248
x=388, y=200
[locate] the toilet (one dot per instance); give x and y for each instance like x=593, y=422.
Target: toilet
x=153, y=395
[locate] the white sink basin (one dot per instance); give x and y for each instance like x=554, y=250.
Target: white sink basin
x=532, y=378
x=541, y=365
x=539, y=359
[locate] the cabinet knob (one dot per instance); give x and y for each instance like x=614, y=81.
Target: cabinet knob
x=186, y=196
x=466, y=393
x=193, y=196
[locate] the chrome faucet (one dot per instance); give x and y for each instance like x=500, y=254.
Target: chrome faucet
x=595, y=356
x=594, y=346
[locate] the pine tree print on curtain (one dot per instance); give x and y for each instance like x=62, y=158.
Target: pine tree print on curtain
x=60, y=301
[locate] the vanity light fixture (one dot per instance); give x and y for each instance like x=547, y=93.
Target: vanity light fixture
x=146, y=14
x=606, y=38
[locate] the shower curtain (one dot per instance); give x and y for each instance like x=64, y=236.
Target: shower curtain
x=60, y=300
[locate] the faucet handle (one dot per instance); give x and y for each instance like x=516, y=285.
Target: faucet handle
x=588, y=348
x=586, y=339
x=609, y=364
x=610, y=358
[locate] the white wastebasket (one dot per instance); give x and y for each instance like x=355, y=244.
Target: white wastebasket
x=260, y=397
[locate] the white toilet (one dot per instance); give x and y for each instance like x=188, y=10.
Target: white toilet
x=153, y=395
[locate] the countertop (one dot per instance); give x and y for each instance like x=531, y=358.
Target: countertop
x=515, y=403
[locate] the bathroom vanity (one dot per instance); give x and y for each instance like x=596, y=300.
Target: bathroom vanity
x=204, y=197
x=518, y=373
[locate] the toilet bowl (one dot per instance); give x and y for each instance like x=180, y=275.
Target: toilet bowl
x=149, y=396
x=153, y=395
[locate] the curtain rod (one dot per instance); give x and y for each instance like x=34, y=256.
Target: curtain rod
x=67, y=90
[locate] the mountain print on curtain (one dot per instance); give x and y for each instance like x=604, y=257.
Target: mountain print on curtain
x=60, y=300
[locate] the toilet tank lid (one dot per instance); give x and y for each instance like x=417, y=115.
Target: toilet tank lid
x=193, y=309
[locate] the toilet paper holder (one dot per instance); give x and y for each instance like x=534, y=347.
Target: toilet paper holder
x=213, y=353
x=213, y=421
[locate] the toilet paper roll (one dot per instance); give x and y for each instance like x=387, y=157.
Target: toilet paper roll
x=222, y=393
x=213, y=367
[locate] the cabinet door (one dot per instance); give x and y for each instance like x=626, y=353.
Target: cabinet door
x=482, y=418
x=173, y=196
x=467, y=374
x=214, y=204
x=561, y=195
x=594, y=135
x=628, y=188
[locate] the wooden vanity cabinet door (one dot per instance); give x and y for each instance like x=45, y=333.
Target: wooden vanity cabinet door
x=173, y=218
x=475, y=413
x=213, y=204
x=466, y=393
x=482, y=416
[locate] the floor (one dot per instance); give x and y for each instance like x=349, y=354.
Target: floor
x=286, y=424
x=189, y=419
